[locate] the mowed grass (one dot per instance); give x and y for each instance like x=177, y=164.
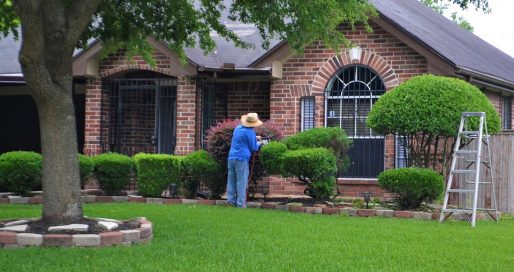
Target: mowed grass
x=213, y=238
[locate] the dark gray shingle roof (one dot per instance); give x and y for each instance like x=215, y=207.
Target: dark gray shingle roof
x=9, y=49
x=457, y=45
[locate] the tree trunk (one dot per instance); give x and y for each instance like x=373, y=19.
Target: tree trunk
x=61, y=181
x=51, y=30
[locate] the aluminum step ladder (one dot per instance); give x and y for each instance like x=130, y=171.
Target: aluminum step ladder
x=467, y=153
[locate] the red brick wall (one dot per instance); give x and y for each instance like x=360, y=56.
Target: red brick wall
x=309, y=73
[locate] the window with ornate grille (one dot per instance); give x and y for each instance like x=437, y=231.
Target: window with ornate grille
x=349, y=97
x=307, y=104
x=507, y=112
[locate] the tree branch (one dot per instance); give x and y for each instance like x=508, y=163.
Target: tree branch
x=79, y=16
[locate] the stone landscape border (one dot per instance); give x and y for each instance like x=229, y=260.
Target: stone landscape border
x=265, y=205
x=143, y=234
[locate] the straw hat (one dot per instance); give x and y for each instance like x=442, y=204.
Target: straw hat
x=251, y=120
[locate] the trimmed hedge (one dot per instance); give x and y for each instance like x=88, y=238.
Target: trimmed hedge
x=20, y=171
x=271, y=155
x=155, y=172
x=316, y=167
x=412, y=186
x=113, y=172
x=332, y=138
x=199, y=167
x=86, y=167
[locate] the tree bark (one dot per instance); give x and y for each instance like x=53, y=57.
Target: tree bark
x=50, y=31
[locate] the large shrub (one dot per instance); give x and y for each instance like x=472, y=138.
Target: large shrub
x=155, y=172
x=219, y=138
x=199, y=167
x=426, y=110
x=86, y=167
x=412, y=186
x=113, y=172
x=315, y=167
x=332, y=138
x=20, y=171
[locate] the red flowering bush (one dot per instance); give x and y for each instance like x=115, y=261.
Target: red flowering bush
x=219, y=138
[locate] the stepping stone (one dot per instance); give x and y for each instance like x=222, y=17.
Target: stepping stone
x=18, y=222
x=73, y=227
x=110, y=220
x=108, y=225
x=17, y=228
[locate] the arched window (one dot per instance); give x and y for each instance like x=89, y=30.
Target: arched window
x=349, y=97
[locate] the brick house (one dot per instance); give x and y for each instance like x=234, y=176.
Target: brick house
x=129, y=107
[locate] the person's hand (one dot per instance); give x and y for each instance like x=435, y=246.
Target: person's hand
x=259, y=138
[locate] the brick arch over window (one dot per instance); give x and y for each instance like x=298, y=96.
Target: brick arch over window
x=367, y=58
x=124, y=68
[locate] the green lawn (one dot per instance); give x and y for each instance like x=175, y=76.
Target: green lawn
x=213, y=238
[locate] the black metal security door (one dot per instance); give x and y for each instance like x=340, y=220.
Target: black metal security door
x=350, y=96
x=141, y=116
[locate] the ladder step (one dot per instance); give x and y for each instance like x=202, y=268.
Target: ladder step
x=468, y=114
x=465, y=152
x=460, y=191
x=480, y=182
x=458, y=210
x=463, y=171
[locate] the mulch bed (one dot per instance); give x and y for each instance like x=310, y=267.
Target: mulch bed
x=39, y=227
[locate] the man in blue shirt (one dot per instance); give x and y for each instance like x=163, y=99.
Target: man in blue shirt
x=244, y=143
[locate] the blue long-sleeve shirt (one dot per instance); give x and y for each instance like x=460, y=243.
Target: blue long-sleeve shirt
x=243, y=144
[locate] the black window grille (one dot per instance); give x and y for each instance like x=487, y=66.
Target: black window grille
x=307, y=104
x=507, y=112
x=138, y=115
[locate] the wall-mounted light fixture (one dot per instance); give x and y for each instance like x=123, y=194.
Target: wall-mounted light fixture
x=355, y=53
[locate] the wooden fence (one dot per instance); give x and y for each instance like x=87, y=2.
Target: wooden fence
x=502, y=155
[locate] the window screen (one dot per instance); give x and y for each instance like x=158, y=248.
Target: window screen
x=307, y=112
x=507, y=113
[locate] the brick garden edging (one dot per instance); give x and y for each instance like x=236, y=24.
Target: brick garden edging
x=143, y=234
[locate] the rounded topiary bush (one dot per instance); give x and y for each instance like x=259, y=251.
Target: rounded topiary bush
x=86, y=167
x=432, y=104
x=411, y=186
x=20, y=171
x=113, y=172
x=332, y=138
x=155, y=172
x=315, y=167
x=426, y=111
x=271, y=155
x=199, y=167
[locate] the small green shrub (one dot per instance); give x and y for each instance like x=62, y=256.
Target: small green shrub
x=412, y=186
x=316, y=167
x=113, y=172
x=270, y=157
x=199, y=167
x=86, y=167
x=155, y=172
x=332, y=138
x=20, y=171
